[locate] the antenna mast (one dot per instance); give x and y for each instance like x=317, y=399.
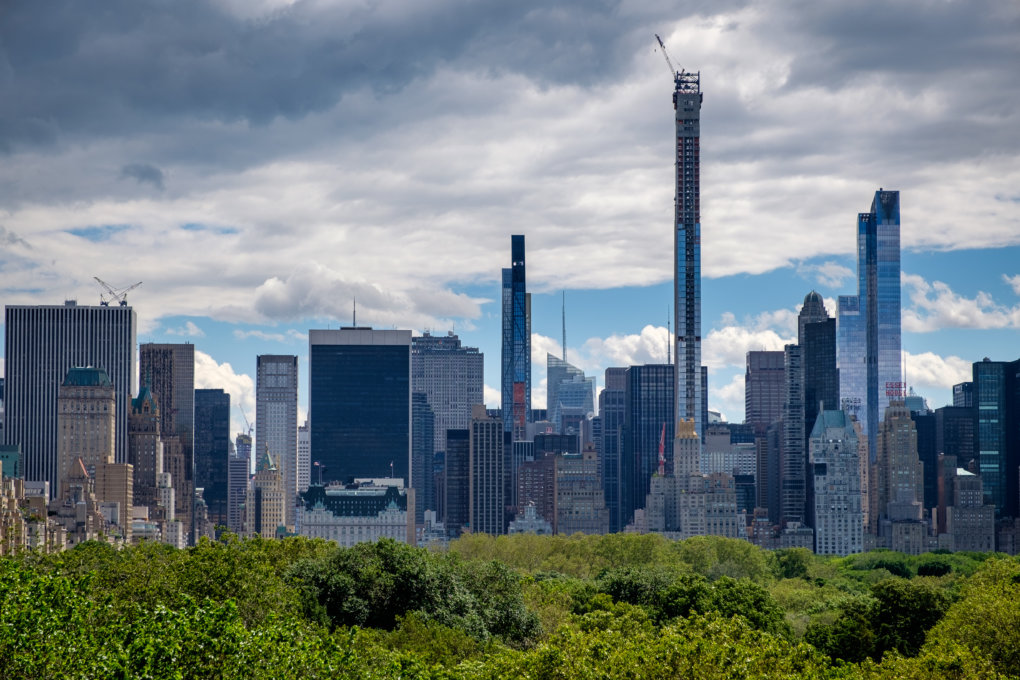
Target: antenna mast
x=669, y=338
x=564, y=326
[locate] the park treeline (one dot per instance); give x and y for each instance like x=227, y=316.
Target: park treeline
x=618, y=606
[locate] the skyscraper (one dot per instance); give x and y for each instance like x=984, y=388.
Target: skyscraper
x=997, y=433
x=571, y=394
x=817, y=338
x=212, y=451
x=168, y=370
x=688, y=387
x=516, y=355
x=238, y=472
x=868, y=324
x=359, y=403
x=793, y=452
x=451, y=377
x=837, y=515
x=276, y=398
x=612, y=409
x=648, y=426
x=457, y=480
x=485, y=473
x=86, y=421
x=41, y=344
x=422, y=454
x=764, y=383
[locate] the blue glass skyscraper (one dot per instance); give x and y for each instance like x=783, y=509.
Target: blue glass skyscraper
x=516, y=356
x=688, y=385
x=868, y=325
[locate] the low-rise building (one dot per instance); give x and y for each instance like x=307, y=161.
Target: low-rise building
x=366, y=510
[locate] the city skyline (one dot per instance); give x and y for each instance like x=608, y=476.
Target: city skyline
x=242, y=228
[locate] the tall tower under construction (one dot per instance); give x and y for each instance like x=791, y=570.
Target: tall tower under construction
x=689, y=388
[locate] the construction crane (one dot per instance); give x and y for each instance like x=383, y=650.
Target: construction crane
x=113, y=294
x=247, y=423
x=669, y=62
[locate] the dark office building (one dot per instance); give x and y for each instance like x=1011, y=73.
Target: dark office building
x=556, y=443
x=458, y=480
x=212, y=451
x=612, y=408
x=963, y=395
x=793, y=459
x=954, y=433
x=746, y=493
x=927, y=451
x=821, y=377
x=422, y=454
x=997, y=405
x=648, y=419
x=360, y=402
x=764, y=387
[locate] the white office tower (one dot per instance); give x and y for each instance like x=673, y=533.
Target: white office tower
x=276, y=397
x=835, y=465
x=40, y=344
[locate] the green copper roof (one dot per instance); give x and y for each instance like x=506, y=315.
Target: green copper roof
x=87, y=376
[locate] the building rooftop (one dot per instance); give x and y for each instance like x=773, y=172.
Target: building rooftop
x=87, y=376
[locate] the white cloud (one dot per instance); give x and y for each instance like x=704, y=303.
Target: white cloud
x=290, y=336
x=210, y=374
x=728, y=346
x=829, y=274
x=1013, y=281
x=935, y=306
x=189, y=330
x=492, y=396
x=929, y=370
x=647, y=347
x=728, y=398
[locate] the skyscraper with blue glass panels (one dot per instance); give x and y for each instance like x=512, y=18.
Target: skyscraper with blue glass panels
x=868, y=324
x=688, y=385
x=516, y=355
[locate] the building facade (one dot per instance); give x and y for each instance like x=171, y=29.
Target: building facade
x=612, y=408
x=212, y=451
x=41, y=344
x=168, y=370
x=360, y=403
x=451, y=377
x=516, y=353
x=86, y=421
x=868, y=324
x=486, y=498
x=364, y=511
x=276, y=425
x=837, y=513
x=997, y=435
x=688, y=388
x=648, y=426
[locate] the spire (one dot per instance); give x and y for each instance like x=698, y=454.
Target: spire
x=669, y=339
x=564, y=326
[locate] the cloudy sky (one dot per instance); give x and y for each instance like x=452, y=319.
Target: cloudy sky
x=260, y=163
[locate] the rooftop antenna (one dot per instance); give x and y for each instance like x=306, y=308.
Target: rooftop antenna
x=564, y=326
x=669, y=339
x=354, y=320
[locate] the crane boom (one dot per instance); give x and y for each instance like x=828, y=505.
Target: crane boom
x=113, y=294
x=669, y=62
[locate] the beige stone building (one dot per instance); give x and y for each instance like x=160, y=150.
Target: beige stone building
x=86, y=421
x=264, y=502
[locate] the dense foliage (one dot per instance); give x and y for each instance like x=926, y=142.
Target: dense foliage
x=617, y=606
